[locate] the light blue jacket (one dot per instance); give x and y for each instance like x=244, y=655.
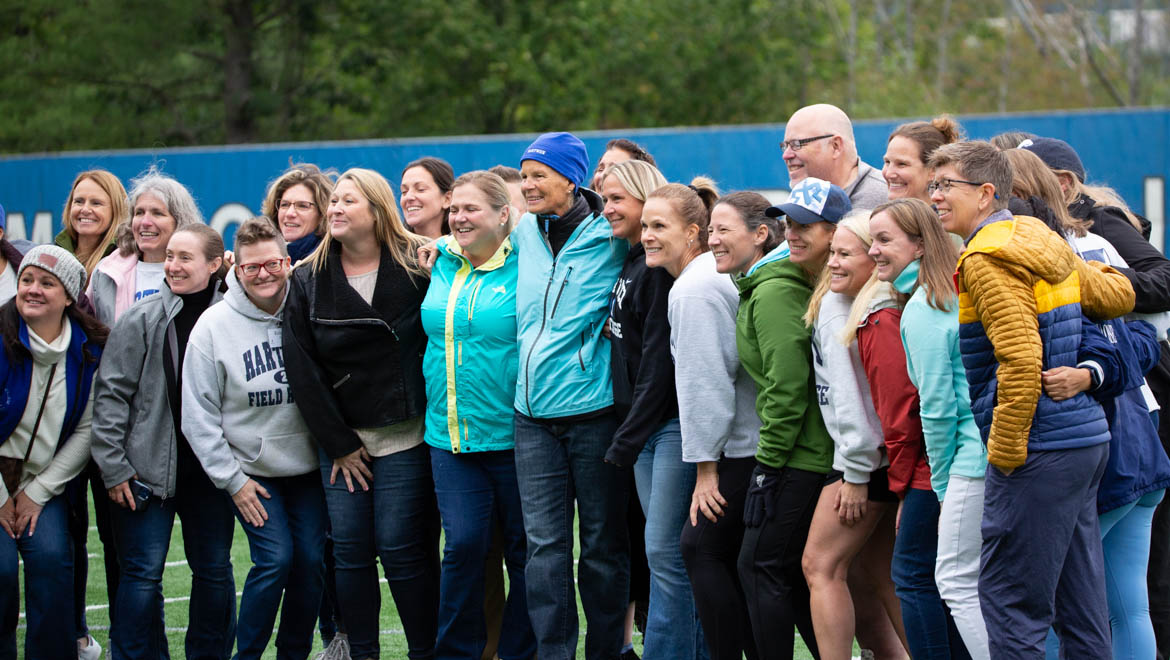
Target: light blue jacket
x=561, y=306
x=931, y=340
x=469, y=315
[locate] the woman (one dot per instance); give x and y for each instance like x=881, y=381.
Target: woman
x=95, y=210
x=913, y=251
x=51, y=350
x=1137, y=471
x=159, y=205
x=148, y=465
x=795, y=450
x=907, y=151
x=426, y=196
x=352, y=304
x=239, y=417
x=467, y=427
x=564, y=404
x=854, y=517
x=648, y=214
x=618, y=150
x=710, y=379
x=296, y=203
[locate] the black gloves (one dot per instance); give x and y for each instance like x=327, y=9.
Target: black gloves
x=760, y=504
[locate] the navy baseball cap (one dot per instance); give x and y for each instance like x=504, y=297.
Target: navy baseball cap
x=813, y=200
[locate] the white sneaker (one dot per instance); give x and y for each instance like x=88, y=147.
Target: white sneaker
x=91, y=651
x=338, y=649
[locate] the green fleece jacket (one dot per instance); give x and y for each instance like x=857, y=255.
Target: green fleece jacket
x=775, y=349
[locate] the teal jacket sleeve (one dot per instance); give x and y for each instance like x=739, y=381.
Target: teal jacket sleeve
x=785, y=346
x=928, y=342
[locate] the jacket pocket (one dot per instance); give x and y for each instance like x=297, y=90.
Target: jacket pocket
x=560, y=292
x=581, y=352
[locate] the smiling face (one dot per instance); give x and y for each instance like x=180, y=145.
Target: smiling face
x=40, y=297
x=622, y=210
x=264, y=289
x=545, y=190
x=734, y=246
x=892, y=249
x=608, y=159
x=808, y=245
x=153, y=225
x=849, y=265
x=187, y=268
x=669, y=240
x=477, y=227
x=423, y=202
x=297, y=213
x=351, y=220
x=961, y=208
x=815, y=158
x=904, y=170
x=90, y=209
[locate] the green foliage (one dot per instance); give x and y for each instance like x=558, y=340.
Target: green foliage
x=130, y=73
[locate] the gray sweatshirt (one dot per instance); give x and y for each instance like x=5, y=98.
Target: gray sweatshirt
x=843, y=394
x=238, y=412
x=716, y=397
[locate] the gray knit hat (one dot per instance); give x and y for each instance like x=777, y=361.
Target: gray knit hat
x=57, y=260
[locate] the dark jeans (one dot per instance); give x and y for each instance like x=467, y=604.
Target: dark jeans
x=556, y=465
x=929, y=628
x=472, y=489
x=711, y=552
x=770, y=567
x=287, y=561
x=1042, y=562
x=396, y=521
x=144, y=535
x=48, y=587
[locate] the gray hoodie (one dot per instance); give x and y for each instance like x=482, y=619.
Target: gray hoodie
x=238, y=412
x=716, y=397
x=843, y=391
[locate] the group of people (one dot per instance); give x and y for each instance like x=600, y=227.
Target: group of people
x=915, y=406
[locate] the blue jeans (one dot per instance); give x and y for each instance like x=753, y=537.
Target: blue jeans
x=929, y=628
x=48, y=587
x=287, y=560
x=665, y=485
x=558, y=464
x=143, y=536
x=472, y=489
x=397, y=522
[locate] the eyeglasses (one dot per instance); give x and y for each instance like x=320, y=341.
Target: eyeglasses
x=797, y=145
x=945, y=185
x=273, y=266
x=303, y=207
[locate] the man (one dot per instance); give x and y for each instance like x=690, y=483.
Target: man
x=1022, y=291
x=818, y=142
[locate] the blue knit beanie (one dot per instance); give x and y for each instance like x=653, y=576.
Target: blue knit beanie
x=563, y=152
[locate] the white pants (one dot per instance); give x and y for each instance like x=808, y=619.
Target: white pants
x=956, y=570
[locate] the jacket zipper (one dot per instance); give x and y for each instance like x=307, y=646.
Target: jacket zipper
x=560, y=291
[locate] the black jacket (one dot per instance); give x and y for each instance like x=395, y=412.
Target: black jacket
x=352, y=365
x=1149, y=270
x=643, y=371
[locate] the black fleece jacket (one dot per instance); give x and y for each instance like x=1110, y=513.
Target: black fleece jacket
x=1149, y=270
x=643, y=370
x=350, y=364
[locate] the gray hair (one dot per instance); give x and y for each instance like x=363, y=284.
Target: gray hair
x=180, y=204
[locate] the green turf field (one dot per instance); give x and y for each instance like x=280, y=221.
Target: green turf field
x=177, y=587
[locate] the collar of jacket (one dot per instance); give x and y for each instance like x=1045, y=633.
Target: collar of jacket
x=907, y=280
x=335, y=299
x=448, y=245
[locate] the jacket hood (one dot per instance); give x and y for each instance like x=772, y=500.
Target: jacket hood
x=780, y=267
x=883, y=298
x=1027, y=242
x=777, y=253
x=907, y=280
x=239, y=301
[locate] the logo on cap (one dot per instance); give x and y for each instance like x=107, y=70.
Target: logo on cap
x=811, y=194
x=47, y=259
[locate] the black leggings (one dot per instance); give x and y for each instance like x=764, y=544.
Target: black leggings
x=711, y=551
x=770, y=566
x=79, y=522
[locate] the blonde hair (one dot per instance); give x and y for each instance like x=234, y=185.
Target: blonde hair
x=1032, y=178
x=638, y=177
x=119, y=215
x=389, y=230
x=494, y=188
x=856, y=222
x=1101, y=196
x=939, y=254
x=692, y=203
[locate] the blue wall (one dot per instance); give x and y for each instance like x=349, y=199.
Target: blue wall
x=1119, y=148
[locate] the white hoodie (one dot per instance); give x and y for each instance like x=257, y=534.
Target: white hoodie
x=238, y=411
x=844, y=396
